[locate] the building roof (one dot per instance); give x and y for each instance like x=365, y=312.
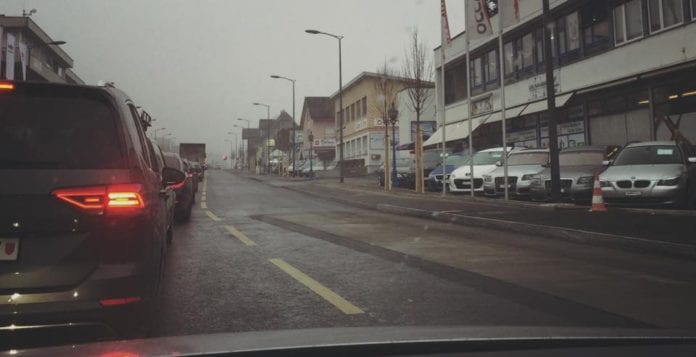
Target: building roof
x=365, y=75
x=319, y=107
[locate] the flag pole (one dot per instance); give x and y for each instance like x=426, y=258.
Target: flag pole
x=501, y=78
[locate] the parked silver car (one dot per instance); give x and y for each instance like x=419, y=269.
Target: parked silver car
x=522, y=166
x=649, y=173
x=578, y=167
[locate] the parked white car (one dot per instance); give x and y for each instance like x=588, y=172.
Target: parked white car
x=522, y=166
x=484, y=162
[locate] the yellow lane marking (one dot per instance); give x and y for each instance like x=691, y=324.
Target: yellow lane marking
x=213, y=216
x=326, y=293
x=204, y=205
x=203, y=198
x=239, y=235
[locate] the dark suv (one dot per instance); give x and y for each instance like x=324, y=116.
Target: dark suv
x=83, y=216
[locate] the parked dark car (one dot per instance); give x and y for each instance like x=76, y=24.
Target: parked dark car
x=434, y=179
x=83, y=215
x=405, y=169
x=185, y=192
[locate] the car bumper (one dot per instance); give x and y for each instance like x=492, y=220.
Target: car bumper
x=650, y=196
x=75, y=315
x=518, y=189
x=575, y=193
x=464, y=185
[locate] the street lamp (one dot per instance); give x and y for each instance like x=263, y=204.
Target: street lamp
x=340, y=94
x=268, y=134
x=155, y=130
x=247, y=149
x=393, y=115
x=294, y=147
x=311, y=147
x=234, y=151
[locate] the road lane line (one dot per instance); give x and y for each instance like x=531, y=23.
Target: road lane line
x=326, y=293
x=204, y=205
x=203, y=198
x=239, y=235
x=213, y=216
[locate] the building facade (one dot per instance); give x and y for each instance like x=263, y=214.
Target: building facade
x=365, y=106
x=29, y=53
x=318, y=119
x=623, y=71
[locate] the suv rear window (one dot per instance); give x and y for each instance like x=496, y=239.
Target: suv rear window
x=48, y=127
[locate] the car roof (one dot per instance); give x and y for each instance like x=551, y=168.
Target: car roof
x=600, y=148
x=653, y=143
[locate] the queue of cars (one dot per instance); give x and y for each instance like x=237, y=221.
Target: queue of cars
x=655, y=173
x=87, y=205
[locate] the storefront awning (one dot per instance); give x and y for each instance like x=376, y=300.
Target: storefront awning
x=455, y=131
x=541, y=106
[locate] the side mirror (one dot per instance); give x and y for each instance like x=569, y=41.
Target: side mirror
x=498, y=163
x=692, y=160
x=606, y=162
x=172, y=176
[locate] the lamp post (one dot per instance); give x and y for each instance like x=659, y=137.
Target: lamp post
x=268, y=134
x=340, y=95
x=294, y=146
x=234, y=150
x=393, y=115
x=154, y=132
x=246, y=156
x=311, y=147
x=231, y=149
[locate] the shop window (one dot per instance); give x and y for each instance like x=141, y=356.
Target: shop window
x=455, y=82
x=595, y=25
x=628, y=21
x=664, y=14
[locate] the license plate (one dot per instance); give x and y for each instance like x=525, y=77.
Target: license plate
x=9, y=247
x=503, y=186
x=634, y=193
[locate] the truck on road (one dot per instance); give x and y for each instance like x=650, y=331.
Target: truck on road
x=192, y=152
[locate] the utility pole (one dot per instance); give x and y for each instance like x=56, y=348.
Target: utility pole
x=551, y=103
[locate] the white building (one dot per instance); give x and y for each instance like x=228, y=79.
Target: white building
x=624, y=71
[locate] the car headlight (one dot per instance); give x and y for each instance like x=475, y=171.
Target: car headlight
x=487, y=178
x=528, y=177
x=603, y=183
x=585, y=180
x=453, y=176
x=669, y=182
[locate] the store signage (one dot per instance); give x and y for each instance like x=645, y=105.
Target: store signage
x=325, y=142
x=537, y=89
x=481, y=106
x=360, y=125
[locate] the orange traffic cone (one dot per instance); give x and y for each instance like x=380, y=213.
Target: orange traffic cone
x=597, y=199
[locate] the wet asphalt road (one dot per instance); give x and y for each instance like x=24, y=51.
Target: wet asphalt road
x=255, y=257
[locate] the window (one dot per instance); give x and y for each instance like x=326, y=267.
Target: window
x=491, y=67
x=329, y=132
x=364, y=106
x=595, y=25
x=525, y=51
x=455, y=82
x=539, y=36
x=364, y=148
x=476, y=73
x=568, y=34
x=628, y=21
x=140, y=132
x=664, y=14
x=510, y=59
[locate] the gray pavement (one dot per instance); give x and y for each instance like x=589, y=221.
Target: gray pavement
x=258, y=257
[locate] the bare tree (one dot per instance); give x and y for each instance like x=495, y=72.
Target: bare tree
x=386, y=90
x=419, y=72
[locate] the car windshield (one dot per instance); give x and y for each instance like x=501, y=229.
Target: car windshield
x=458, y=160
x=649, y=155
x=57, y=128
x=580, y=158
x=488, y=157
x=524, y=158
x=320, y=171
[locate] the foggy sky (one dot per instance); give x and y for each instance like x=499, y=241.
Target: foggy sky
x=198, y=65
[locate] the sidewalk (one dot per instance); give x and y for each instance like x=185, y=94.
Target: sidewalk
x=670, y=232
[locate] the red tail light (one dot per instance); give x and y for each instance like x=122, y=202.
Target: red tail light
x=178, y=185
x=6, y=86
x=114, y=198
